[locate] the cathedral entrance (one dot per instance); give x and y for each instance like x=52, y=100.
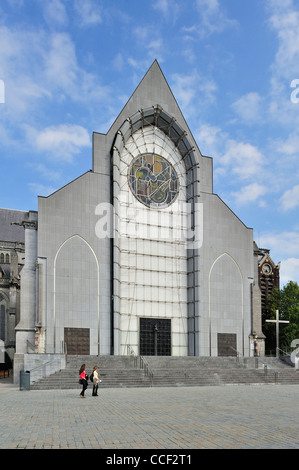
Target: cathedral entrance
x=155, y=337
x=227, y=344
x=77, y=341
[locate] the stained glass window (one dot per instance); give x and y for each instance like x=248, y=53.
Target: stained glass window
x=153, y=180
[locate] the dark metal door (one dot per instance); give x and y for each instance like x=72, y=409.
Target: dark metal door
x=227, y=344
x=155, y=337
x=77, y=341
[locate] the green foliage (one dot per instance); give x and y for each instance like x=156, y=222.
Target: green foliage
x=286, y=300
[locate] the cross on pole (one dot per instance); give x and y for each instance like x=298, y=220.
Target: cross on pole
x=277, y=321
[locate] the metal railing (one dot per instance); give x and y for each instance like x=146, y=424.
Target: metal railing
x=285, y=357
x=239, y=356
x=43, y=370
x=140, y=362
x=266, y=367
x=258, y=359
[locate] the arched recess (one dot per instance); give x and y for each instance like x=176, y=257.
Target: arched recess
x=158, y=118
x=76, y=291
x=226, y=301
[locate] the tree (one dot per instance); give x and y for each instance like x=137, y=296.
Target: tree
x=286, y=300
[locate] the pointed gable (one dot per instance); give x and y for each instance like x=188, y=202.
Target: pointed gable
x=152, y=91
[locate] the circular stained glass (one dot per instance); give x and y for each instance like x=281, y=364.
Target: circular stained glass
x=153, y=180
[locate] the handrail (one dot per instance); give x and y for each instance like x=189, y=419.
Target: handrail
x=238, y=354
x=266, y=367
x=286, y=357
x=265, y=363
x=257, y=358
x=143, y=364
x=43, y=366
x=284, y=352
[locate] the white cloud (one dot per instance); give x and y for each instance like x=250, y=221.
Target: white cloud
x=286, y=242
x=47, y=173
x=88, y=12
x=243, y=159
x=118, y=62
x=162, y=6
x=39, y=69
x=284, y=20
x=250, y=193
x=290, y=198
x=284, y=248
x=248, y=107
x=41, y=190
x=289, y=270
x=211, y=140
x=213, y=18
x=55, y=12
x=235, y=163
x=168, y=8
x=184, y=88
x=61, y=67
x=192, y=89
x=290, y=146
x=60, y=142
x=20, y=63
x=149, y=38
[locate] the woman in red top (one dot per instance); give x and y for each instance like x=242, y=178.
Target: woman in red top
x=83, y=379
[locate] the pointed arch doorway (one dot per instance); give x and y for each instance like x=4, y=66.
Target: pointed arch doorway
x=76, y=298
x=226, y=307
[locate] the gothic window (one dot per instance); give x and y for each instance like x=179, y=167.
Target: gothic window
x=7, y=258
x=2, y=258
x=153, y=180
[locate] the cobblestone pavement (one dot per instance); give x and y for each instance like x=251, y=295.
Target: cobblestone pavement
x=224, y=417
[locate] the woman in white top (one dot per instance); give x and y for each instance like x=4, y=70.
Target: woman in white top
x=96, y=380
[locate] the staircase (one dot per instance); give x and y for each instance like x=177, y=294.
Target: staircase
x=170, y=371
x=114, y=371
x=203, y=371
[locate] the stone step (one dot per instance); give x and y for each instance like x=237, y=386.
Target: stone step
x=169, y=371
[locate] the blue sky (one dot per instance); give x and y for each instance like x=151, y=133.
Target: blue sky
x=67, y=67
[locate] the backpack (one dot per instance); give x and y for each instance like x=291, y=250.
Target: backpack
x=91, y=377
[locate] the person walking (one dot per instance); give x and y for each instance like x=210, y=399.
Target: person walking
x=83, y=380
x=96, y=381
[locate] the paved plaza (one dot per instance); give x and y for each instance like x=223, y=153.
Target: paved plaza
x=224, y=417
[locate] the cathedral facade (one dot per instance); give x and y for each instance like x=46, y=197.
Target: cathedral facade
x=138, y=254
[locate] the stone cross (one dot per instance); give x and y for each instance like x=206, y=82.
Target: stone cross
x=277, y=321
